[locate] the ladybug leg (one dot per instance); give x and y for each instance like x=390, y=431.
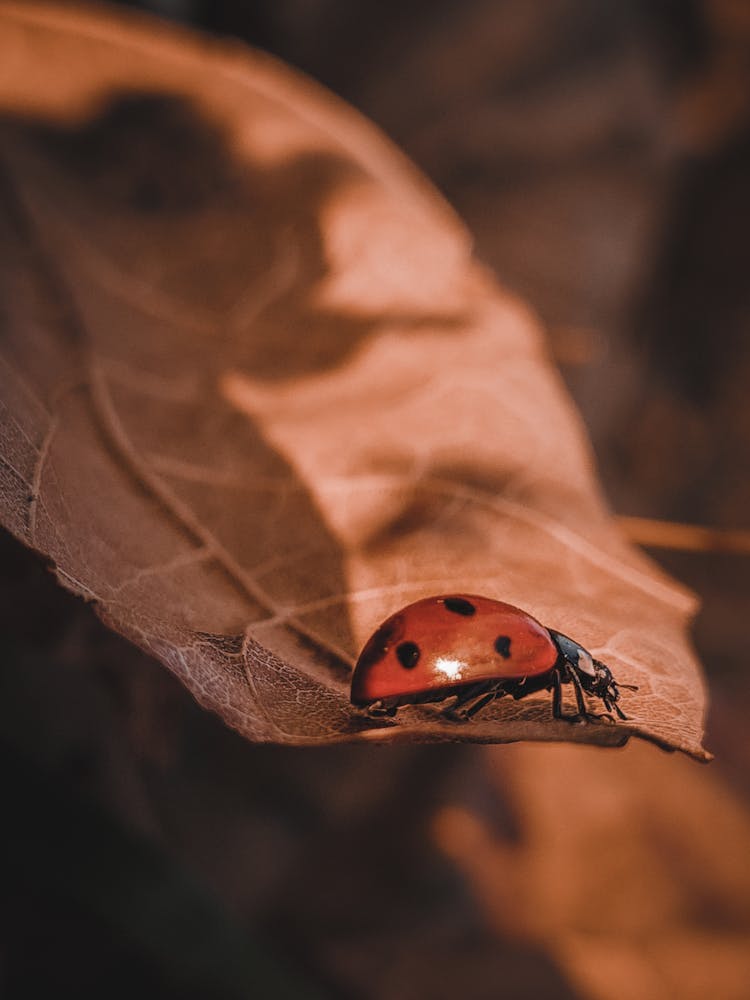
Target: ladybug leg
x=557, y=711
x=380, y=710
x=557, y=707
x=480, y=703
x=471, y=701
x=583, y=712
x=612, y=706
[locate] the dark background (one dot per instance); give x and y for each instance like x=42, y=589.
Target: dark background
x=600, y=153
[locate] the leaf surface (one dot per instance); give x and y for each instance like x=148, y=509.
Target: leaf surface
x=256, y=394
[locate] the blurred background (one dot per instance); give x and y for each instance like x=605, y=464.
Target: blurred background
x=600, y=154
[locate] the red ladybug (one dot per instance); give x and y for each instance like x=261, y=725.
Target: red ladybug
x=473, y=649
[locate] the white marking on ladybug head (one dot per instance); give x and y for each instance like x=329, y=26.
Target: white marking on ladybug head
x=586, y=663
x=452, y=668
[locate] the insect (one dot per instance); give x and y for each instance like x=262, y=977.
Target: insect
x=472, y=650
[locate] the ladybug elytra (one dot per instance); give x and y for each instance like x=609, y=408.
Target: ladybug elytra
x=472, y=650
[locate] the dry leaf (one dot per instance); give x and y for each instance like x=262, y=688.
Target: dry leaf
x=256, y=394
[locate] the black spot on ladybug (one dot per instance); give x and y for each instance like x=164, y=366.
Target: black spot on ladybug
x=381, y=641
x=408, y=654
x=502, y=646
x=460, y=606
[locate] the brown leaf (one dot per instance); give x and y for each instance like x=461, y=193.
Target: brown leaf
x=256, y=394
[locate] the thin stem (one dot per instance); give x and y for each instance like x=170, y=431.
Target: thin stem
x=684, y=537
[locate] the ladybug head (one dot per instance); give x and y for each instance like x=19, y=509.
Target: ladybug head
x=595, y=677
x=603, y=686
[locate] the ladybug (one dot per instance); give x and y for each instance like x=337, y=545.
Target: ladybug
x=472, y=650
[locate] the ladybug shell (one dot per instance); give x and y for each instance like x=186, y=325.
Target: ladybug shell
x=446, y=642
